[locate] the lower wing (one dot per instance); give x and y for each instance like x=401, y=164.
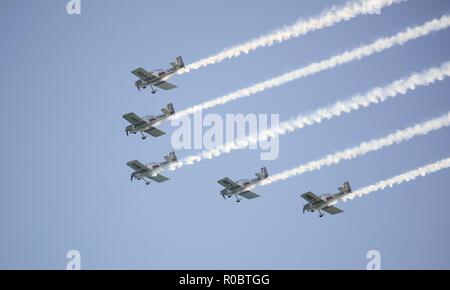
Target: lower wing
x=165, y=85
x=332, y=210
x=154, y=132
x=249, y=195
x=159, y=178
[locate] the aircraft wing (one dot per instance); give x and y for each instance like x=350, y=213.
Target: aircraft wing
x=249, y=194
x=154, y=132
x=134, y=119
x=311, y=198
x=165, y=85
x=332, y=210
x=142, y=74
x=229, y=184
x=158, y=178
x=136, y=165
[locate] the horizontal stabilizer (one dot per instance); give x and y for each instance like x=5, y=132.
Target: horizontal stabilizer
x=178, y=63
x=169, y=110
x=262, y=174
x=171, y=157
x=345, y=188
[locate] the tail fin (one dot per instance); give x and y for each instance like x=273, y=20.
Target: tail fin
x=169, y=110
x=345, y=188
x=262, y=174
x=171, y=157
x=178, y=63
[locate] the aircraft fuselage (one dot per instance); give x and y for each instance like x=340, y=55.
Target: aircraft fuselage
x=152, y=121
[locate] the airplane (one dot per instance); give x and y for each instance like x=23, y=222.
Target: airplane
x=242, y=187
x=147, y=124
x=325, y=202
x=157, y=77
x=151, y=170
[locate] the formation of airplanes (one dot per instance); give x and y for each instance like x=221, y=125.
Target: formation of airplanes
x=242, y=188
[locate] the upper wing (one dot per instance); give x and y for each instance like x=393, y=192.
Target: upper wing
x=332, y=209
x=134, y=119
x=249, y=195
x=154, y=132
x=311, y=198
x=228, y=183
x=136, y=165
x=142, y=74
x=165, y=85
x=158, y=178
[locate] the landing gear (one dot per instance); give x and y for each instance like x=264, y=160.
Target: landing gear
x=146, y=181
x=143, y=136
x=320, y=214
x=153, y=90
x=237, y=198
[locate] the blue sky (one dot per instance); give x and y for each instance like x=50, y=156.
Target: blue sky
x=66, y=82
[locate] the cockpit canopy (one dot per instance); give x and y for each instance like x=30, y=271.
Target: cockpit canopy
x=327, y=197
x=150, y=118
x=159, y=72
x=243, y=182
x=153, y=165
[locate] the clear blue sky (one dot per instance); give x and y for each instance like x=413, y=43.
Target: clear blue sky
x=66, y=81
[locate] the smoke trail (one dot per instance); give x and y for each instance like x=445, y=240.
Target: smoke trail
x=327, y=18
x=364, y=148
x=374, y=96
x=357, y=53
x=399, y=179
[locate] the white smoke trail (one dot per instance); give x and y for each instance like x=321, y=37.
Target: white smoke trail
x=327, y=18
x=374, y=96
x=399, y=179
x=364, y=148
x=357, y=53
